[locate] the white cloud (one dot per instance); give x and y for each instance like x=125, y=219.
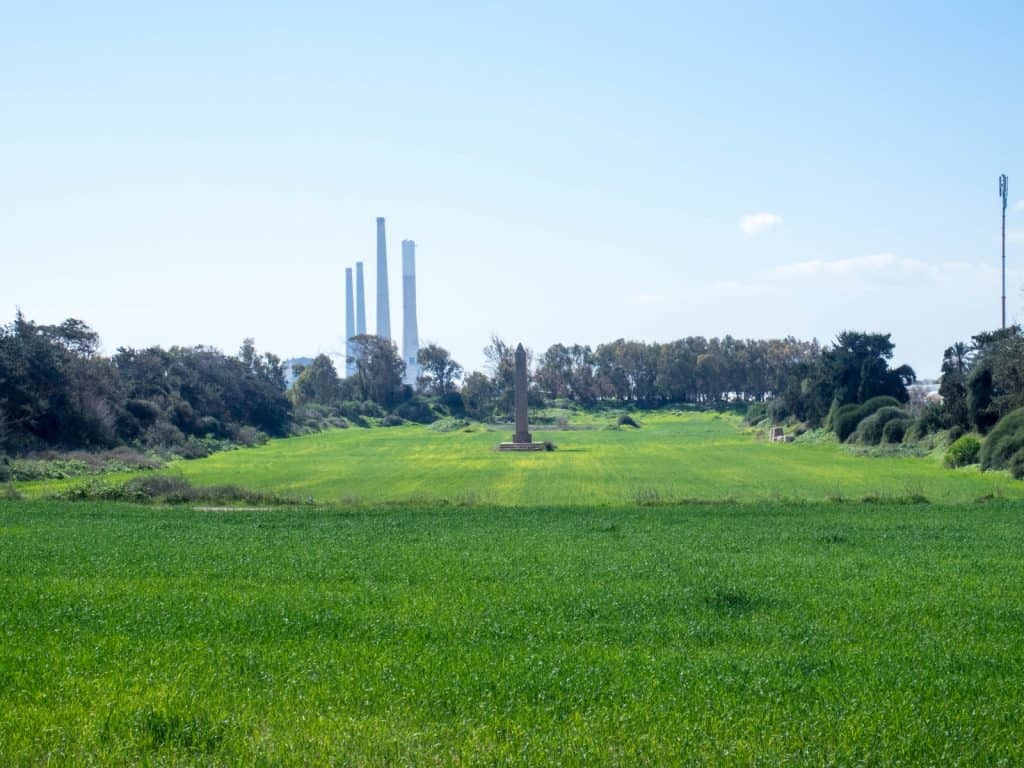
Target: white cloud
x=861, y=273
x=819, y=267
x=1020, y=205
x=756, y=223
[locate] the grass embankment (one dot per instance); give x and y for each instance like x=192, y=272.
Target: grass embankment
x=845, y=634
x=670, y=458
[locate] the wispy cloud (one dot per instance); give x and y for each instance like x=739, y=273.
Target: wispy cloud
x=757, y=223
x=861, y=272
x=1020, y=205
x=1015, y=235
x=800, y=270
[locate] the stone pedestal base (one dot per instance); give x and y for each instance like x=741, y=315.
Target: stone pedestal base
x=521, y=447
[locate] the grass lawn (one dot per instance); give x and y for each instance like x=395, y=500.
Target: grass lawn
x=752, y=634
x=671, y=458
x=446, y=604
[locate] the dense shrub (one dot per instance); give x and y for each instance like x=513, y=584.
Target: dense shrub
x=208, y=426
x=756, y=412
x=839, y=419
x=194, y=448
x=354, y=409
x=416, y=410
x=846, y=419
x=145, y=411
x=163, y=435
x=869, y=430
x=894, y=431
x=452, y=401
x=930, y=421
x=1017, y=464
x=963, y=451
x=248, y=436
x=391, y=420
x=1004, y=441
x=777, y=411
x=5, y=469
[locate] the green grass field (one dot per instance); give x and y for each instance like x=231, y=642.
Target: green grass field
x=445, y=604
x=757, y=634
x=671, y=458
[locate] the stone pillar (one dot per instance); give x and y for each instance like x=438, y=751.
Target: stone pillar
x=522, y=419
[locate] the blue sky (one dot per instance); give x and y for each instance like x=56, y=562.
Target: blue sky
x=198, y=173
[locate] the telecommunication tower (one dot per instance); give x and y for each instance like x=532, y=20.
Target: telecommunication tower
x=1004, y=191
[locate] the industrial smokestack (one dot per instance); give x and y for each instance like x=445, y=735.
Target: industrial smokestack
x=410, y=333
x=350, y=324
x=360, y=301
x=383, y=307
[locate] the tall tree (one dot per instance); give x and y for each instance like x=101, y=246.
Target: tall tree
x=379, y=370
x=439, y=371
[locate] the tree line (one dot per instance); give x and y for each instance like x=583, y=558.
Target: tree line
x=56, y=389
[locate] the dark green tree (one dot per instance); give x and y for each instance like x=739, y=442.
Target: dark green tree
x=379, y=370
x=439, y=371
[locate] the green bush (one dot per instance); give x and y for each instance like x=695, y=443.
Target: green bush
x=1017, y=464
x=869, y=430
x=145, y=411
x=391, y=420
x=1004, y=441
x=194, y=449
x=777, y=411
x=847, y=418
x=756, y=412
x=894, y=431
x=929, y=422
x=843, y=420
x=963, y=451
x=416, y=410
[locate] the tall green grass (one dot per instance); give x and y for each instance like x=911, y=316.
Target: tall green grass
x=717, y=634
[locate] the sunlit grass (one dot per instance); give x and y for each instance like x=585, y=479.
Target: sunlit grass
x=673, y=457
x=754, y=634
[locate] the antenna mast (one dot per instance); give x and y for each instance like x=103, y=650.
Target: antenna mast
x=1004, y=184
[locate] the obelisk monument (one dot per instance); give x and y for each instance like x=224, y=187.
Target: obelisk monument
x=522, y=440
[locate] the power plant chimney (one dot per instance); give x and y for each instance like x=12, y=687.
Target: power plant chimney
x=350, y=324
x=410, y=333
x=383, y=307
x=360, y=301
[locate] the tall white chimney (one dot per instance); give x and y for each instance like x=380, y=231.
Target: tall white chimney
x=350, y=323
x=383, y=308
x=410, y=332
x=360, y=301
